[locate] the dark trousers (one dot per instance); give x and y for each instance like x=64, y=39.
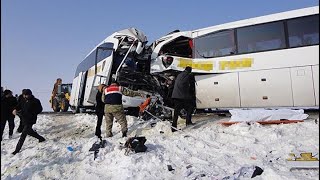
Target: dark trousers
x=20, y=127
x=27, y=130
x=180, y=104
x=98, y=127
x=3, y=125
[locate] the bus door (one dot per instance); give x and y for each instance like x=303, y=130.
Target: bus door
x=98, y=79
x=82, y=85
x=103, y=65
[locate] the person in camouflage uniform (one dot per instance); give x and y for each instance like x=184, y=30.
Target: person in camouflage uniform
x=112, y=97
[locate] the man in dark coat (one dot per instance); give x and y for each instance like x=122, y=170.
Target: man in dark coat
x=30, y=108
x=184, y=96
x=20, y=99
x=8, y=103
x=99, y=109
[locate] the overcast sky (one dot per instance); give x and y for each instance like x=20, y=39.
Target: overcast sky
x=43, y=40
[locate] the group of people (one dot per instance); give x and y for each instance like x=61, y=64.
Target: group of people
x=27, y=107
x=109, y=103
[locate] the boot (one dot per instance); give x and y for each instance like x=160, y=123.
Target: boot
x=124, y=133
x=109, y=134
x=14, y=152
x=190, y=123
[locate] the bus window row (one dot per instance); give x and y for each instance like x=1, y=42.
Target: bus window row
x=288, y=33
x=100, y=53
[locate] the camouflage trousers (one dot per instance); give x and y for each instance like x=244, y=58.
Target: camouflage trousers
x=115, y=111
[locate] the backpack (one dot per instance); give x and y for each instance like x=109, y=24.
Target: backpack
x=136, y=144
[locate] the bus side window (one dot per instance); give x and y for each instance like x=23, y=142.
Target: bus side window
x=303, y=31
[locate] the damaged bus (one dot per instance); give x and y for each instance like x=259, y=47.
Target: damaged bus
x=115, y=57
x=268, y=61
x=262, y=62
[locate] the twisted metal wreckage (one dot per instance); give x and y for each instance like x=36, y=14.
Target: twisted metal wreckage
x=125, y=57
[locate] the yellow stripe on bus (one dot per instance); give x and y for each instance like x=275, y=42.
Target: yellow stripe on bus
x=203, y=65
x=235, y=64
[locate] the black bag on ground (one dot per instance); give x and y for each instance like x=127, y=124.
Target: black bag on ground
x=136, y=144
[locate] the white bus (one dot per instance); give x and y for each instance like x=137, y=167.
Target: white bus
x=113, y=57
x=267, y=61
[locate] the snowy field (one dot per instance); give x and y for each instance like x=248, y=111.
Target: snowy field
x=206, y=150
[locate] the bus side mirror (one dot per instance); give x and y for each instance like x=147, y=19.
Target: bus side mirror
x=139, y=48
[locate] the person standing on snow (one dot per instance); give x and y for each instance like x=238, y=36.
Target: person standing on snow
x=30, y=108
x=55, y=90
x=183, y=96
x=112, y=97
x=8, y=103
x=99, y=109
x=20, y=99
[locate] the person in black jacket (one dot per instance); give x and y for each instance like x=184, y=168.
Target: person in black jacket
x=8, y=103
x=30, y=108
x=184, y=96
x=99, y=109
x=20, y=99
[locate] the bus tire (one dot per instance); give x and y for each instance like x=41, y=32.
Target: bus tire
x=65, y=106
x=56, y=105
x=74, y=109
x=82, y=110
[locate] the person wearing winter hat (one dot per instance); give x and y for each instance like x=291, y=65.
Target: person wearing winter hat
x=8, y=103
x=30, y=108
x=183, y=95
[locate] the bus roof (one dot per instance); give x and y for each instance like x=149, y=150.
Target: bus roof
x=258, y=20
x=132, y=32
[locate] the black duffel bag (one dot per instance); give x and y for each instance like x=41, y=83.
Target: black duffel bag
x=136, y=144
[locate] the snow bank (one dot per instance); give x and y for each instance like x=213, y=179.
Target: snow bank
x=206, y=150
x=250, y=115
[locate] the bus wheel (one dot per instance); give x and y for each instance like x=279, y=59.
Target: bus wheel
x=74, y=109
x=56, y=105
x=82, y=110
x=65, y=106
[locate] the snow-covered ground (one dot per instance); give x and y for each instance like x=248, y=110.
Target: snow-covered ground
x=206, y=150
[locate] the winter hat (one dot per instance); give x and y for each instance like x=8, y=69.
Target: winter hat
x=6, y=92
x=188, y=69
x=113, y=80
x=27, y=92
